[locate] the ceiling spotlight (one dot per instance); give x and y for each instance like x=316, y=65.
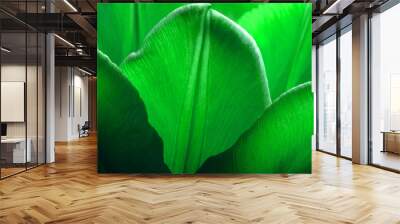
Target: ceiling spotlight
x=5, y=50
x=79, y=51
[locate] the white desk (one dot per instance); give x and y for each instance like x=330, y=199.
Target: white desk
x=18, y=145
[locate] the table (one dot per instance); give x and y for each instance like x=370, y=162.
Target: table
x=391, y=141
x=15, y=148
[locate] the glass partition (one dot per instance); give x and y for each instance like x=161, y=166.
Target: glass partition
x=31, y=100
x=14, y=153
x=22, y=91
x=327, y=95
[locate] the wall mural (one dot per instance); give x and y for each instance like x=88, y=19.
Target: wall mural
x=204, y=88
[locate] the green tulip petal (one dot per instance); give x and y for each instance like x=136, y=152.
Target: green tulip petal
x=234, y=10
x=283, y=33
x=203, y=83
x=126, y=141
x=127, y=25
x=279, y=142
x=115, y=26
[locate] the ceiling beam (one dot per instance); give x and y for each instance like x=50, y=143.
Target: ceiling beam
x=79, y=61
x=320, y=22
x=86, y=26
x=49, y=22
x=337, y=6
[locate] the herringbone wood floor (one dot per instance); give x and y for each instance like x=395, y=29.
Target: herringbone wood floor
x=70, y=191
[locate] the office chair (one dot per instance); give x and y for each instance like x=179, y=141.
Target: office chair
x=84, y=130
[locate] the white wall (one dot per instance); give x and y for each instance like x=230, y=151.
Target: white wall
x=16, y=73
x=62, y=81
x=10, y=73
x=81, y=103
x=71, y=102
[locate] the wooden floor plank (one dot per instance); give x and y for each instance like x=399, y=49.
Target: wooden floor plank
x=71, y=191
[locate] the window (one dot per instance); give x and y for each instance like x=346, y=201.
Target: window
x=385, y=89
x=346, y=92
x=327, y=95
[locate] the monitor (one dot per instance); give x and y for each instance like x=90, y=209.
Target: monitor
x=3, y=129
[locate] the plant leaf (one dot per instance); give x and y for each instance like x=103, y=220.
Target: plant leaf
x=283, y=34
x=203, y=83
x=279, y=142
x=126, y=141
